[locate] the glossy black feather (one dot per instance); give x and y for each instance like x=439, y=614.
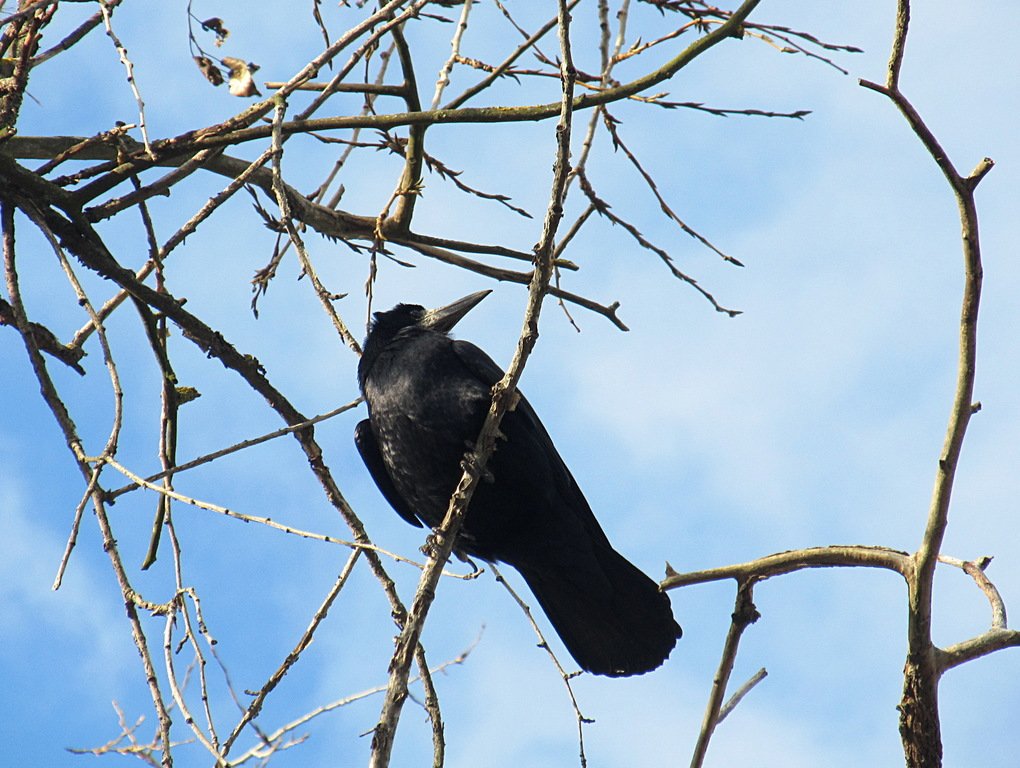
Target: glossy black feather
x=427, y=397
x=369, y=450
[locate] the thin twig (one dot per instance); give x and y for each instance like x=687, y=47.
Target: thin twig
x=389, y=23
x=326, y=298
x=176, y=239
x=107, y=10
x=72, y=537
x=739, y=694
x=118, y=394
x=604, y=209
x=161, y=186
x=502, y=68
x=303, y=642
x=443, y=79
x=138, y=481
x=544, y=644
x=279, y=733
x=208, y=457
x=988, y=642
x=744, y=614
x=177, y=605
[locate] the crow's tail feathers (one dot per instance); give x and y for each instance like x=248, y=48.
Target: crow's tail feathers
x=611, y=617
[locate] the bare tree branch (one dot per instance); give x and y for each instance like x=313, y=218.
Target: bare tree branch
x=795, y=560
x=919, y=718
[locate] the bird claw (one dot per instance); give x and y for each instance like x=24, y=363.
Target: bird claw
x=431, y=545
x=476, y=569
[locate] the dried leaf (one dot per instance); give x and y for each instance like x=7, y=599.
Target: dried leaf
x=215, y=24
x=209, y=69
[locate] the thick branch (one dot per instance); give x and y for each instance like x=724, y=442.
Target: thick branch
x=240, y=129
x=324, y=220
x=919, y=718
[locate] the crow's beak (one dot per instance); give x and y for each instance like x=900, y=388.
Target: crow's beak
x=444, y=318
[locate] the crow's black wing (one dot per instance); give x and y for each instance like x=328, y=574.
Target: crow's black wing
x=369, y=450
x=531, y=450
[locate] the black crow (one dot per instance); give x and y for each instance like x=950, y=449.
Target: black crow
x=427, y=397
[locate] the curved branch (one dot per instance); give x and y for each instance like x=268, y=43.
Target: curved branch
x=991, y=641
x=976, y=570
x=848, y=556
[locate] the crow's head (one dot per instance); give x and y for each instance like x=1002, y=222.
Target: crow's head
x=388, y=325
x=441, y=319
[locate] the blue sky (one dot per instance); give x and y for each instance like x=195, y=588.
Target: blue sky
x=816, y=417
